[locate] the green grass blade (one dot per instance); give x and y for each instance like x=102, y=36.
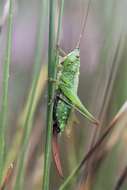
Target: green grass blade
x=52, y=63
x=31, y=100
x=51, y=90
x=17, y=139
x=6, y=70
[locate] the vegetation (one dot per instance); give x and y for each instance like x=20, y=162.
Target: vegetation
x=92, y=158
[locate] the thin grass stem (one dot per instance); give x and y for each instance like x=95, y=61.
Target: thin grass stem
x=31, y=100
x=51, y=91
x=52, y=69
x=5, y=86
x=121, y=179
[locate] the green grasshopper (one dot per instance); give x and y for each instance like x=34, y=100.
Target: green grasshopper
x=66, y=99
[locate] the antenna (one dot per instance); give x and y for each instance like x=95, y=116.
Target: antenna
x=84, y=21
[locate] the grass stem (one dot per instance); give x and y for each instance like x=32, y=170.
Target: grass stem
x=5, y=86
x=52, y=68
x=51, y=91
x=31, y=100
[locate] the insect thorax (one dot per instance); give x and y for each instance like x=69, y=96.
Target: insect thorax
x=70, y=71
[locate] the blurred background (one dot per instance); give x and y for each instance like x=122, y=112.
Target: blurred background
x=102, y=88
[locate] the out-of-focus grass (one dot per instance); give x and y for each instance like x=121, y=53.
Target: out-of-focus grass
x=5, y=82
x=103, y=87
x=31, y=104
x=14, y=150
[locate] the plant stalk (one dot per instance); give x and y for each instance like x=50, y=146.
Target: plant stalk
x=51, y=91
x=5, y=88
x=27, y=126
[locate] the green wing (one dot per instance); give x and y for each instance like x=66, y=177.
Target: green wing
x=77, y=104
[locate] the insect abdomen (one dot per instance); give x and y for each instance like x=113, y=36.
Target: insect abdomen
x=62, y=114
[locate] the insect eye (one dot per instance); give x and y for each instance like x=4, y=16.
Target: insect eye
x=77, y=56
